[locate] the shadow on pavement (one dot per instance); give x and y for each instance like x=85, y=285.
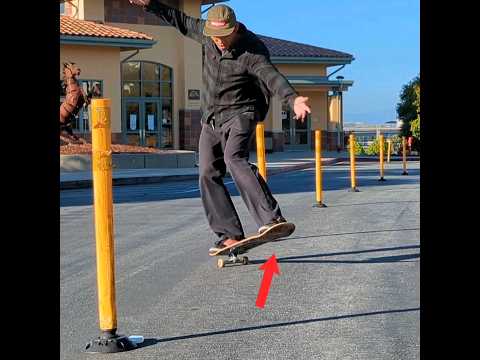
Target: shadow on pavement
x=147, y=342
x=384, y=259
x=289, y=323
x=377, y=203
x=351, y=233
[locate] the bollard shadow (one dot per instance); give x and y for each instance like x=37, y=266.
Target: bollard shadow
x=147, y=342
x=384, y=259
x=377, y=203
x=352, y=233
x=283, y=324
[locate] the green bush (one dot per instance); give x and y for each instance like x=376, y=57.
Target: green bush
x=374, y=148
x=359, y=150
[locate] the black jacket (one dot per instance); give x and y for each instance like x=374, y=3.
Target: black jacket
x=240, y=80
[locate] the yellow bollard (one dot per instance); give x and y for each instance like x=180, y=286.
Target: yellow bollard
x=352, y=164
x=404, y=155
x=262, y=168
x=318, y=169
x=389, y=150
x=103, y=209
x=381, y=145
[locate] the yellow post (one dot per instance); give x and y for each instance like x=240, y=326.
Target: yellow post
x=404, y=155
x=318, y=168
x=389, y=150
x=103, y=209
x=352, y=163
x=260, y=132
x=381, y=145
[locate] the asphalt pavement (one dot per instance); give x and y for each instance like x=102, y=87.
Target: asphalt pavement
x=348, y=286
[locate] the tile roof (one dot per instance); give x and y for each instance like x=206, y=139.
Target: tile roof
x=72, y=26
x=278, y=47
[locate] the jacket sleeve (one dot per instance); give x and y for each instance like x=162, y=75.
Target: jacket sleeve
x=187, y=25
x=261, y=67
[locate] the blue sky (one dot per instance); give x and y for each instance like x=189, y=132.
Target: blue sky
x=382, y=35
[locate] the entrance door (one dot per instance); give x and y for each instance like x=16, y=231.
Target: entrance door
x=141, y=122
x=296, y=133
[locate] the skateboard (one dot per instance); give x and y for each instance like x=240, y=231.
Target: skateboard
x=276, y=232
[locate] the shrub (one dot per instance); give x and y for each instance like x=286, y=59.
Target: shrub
x=359, y=150
x=374, y=148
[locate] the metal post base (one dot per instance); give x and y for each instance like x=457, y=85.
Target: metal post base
x=109, y=342
x=354, y=190
x=405, y=173
x=382, y=179
x=319, y=205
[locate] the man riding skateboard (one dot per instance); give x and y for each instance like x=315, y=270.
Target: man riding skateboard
x=238, y=79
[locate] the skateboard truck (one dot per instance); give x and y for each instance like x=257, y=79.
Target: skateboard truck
x=233, y=258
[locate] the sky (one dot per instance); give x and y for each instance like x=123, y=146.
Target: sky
x=382, y=35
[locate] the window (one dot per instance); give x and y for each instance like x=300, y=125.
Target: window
x=93, y=88
x=62, y=8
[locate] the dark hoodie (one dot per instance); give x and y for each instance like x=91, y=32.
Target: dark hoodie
x=239, y=80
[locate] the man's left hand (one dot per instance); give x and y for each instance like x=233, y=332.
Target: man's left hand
x=301, y=108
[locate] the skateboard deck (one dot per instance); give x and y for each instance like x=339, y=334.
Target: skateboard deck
x=276, y=232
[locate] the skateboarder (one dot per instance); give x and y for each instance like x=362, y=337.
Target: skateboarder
x=238, y=79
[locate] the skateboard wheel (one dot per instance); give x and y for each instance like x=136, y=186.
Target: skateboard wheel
x=245, y=260
x=220, y=263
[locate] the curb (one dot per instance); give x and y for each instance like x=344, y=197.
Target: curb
x=84, y=184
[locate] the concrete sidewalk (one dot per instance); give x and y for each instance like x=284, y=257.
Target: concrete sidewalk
x=277, y=162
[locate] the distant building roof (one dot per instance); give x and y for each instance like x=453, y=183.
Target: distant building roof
x=290, y=50
x=357, y=126
x=206, y=2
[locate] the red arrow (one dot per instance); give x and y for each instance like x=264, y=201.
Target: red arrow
x=270, y=267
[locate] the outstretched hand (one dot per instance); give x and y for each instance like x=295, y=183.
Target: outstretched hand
x=301, y=108
x=140, y=2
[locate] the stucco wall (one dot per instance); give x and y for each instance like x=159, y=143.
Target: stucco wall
x=98, y=63
x=302, y=69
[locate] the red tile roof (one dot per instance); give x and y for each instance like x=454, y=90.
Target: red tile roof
x=72, y=26
x=278, y=47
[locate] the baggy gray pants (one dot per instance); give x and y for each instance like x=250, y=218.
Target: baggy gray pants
x=227, y=147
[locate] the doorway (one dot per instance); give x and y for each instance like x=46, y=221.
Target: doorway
x=142, y=122
x=296, y=134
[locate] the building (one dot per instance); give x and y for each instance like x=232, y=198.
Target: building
x=153, y=75
x=365, y=133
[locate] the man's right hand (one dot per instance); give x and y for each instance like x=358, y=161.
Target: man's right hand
x=140, y=2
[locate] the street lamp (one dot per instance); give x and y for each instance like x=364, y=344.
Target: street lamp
x=340, y=122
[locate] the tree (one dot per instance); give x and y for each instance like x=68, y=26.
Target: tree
x=407, y=107
x=415, y=124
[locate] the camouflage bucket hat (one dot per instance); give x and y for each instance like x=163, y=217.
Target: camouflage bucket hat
x=221, y=21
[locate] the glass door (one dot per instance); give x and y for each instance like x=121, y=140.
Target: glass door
x=296, y=134
x=150, y=123
x=141, y=122
x=132, y=122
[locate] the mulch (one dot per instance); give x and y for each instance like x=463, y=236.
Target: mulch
x=73, y=149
